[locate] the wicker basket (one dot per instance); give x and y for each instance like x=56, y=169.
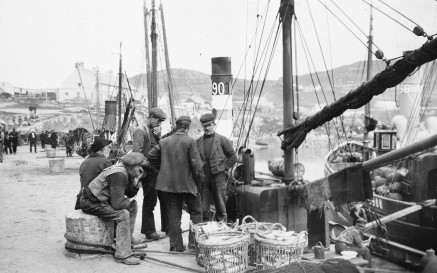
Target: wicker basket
x=253, y=227
x=199, y=229
x=274, y=253
x=224, y=251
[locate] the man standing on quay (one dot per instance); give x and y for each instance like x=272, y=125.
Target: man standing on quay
x=13, y=137
x=32, y=140
x=180, y=175
x=218, y=156
x=145, y=137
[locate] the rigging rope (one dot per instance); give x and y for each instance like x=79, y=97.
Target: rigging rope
x=390, y=77
x=387, y=15
x=84, y=94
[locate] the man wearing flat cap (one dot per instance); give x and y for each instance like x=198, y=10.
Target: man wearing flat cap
x=218, y=156
x=145, y=137
x=178, y=160
x=94, y=164
x=107, y=196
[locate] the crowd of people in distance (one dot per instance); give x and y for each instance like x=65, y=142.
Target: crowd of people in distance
x=10, y=140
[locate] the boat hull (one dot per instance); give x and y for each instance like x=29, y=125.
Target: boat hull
x=416, y=232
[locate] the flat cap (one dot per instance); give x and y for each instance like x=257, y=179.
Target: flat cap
x=207, y=118
x=183, y=118
x=135, y=158
x=157, y=113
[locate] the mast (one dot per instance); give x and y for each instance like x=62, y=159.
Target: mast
x=368, y=77
x=120, y=88
x=167, y=65
x=148, y=77
x=154, y=79
x=287, y=12
x=98, y=98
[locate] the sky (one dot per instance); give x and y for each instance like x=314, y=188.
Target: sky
x=42, y=40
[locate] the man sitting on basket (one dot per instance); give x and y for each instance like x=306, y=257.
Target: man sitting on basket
x=107, y=196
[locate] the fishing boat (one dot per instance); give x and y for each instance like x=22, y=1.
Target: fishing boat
x=398, y=185
x=279, y=202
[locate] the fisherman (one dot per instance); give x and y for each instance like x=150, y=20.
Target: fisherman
x=351, y=239
x=94, y=164
x=145, y=137
x=107, y=196
x=69, y=143
x=180, y=175
x=13, y=138
x=7, y=143
x=357, y=212
x=218, y=157
x=54, y=139
x=32, y=140
x=42, y=138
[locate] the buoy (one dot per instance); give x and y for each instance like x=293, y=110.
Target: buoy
x=376, y=172
x=382, y=190
x=380, y=181
x=385, y=171
x=397, y=187
x=394, y=177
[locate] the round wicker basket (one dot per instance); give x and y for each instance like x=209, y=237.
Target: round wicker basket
x=277, y=251
x=224, y=251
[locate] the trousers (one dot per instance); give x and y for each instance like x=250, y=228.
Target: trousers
x=194, y=208
x=150, y=199
x=214, y=186
x=32, y=144
x=124, y=219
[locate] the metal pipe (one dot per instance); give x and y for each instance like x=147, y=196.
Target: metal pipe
x=398, y=154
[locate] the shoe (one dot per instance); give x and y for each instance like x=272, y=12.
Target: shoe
x=129, y=260
x=177, y=249
x=153, y=236
x=136, y=241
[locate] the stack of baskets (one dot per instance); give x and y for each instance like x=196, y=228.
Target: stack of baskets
x=279, y=248
x=224, y=252
x=252, y=226
x=206, y=228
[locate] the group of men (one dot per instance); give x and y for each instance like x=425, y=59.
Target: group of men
x=45, y=138
x=9, y=141
x=175, y=169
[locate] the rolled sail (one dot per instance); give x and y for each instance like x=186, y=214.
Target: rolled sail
x=390, y=77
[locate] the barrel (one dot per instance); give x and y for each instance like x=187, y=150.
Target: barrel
x=50, y=152
x=85, y=232
x=56, y=165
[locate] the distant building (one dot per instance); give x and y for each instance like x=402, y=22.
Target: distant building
x=82, y=84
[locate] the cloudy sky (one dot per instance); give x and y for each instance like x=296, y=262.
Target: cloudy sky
x=42, y=40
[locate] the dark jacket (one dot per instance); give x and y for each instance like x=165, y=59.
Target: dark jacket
x=90, y=169
x=143, y=140
x=13, y=137
x=178, y=158
x=222, y=154
x=32, y=138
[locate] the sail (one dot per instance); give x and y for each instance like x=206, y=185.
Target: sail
x=390, y=77
x=110, y=119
